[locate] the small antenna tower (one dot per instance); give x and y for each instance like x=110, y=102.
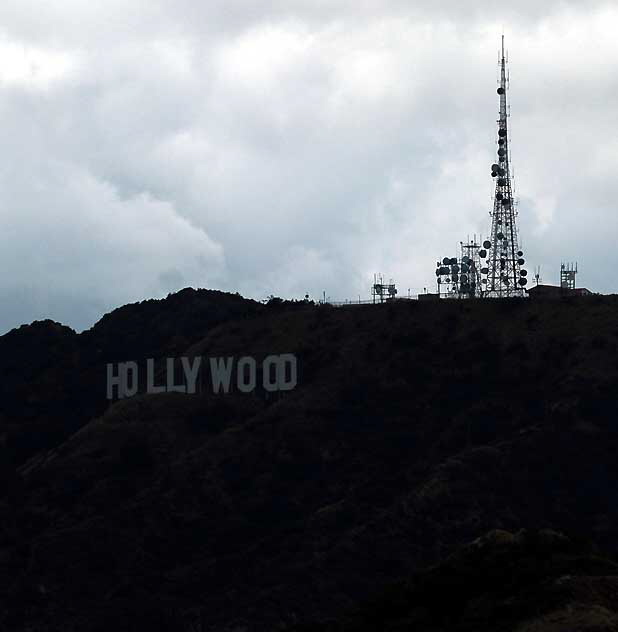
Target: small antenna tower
x=383, y=291
x=537, y=274
x=568, y=272
x=460, y=277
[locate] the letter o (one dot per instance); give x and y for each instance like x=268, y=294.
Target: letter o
x=243, y=386
x=268, y=384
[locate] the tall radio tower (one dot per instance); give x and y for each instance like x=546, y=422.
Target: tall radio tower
x=505, y=276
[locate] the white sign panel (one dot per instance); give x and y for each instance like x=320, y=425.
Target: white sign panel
x=225, y=374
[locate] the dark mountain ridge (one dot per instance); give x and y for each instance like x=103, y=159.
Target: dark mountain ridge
x=47, y=369
x=415, y=429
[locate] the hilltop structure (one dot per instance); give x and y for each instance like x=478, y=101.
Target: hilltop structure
x=503, y=274
x=568, y=273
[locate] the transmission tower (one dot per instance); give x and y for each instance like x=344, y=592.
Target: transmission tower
x=461, y=278
x=505, y=276
x=568, y=272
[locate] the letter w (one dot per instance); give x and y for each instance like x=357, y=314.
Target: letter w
x=221, y=373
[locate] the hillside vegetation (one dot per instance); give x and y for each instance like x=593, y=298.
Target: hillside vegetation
x=416, y=428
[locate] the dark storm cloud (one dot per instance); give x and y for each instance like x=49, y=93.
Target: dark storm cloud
x=290, y=147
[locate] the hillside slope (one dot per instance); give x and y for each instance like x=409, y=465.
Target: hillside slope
x=415, y=428
x=47, y=370
x=529, y=581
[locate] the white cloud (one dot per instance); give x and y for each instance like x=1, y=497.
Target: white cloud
x=33, y=67
x=290, y=147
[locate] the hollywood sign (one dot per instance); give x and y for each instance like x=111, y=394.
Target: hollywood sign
x=278, y=373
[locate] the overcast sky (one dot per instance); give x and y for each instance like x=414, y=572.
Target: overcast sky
x=292, y=146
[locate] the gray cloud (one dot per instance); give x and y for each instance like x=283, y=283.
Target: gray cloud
x=290, y=147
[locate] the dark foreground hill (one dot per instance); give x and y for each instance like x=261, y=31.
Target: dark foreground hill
x=531, y=581
x=53, y=380
x=415, y=429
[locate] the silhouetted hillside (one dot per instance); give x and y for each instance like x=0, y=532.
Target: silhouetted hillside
x=531, y=581
x=415, y=429
x=53, y=380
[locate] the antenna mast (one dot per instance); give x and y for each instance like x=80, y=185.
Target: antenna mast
x=505, y=276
